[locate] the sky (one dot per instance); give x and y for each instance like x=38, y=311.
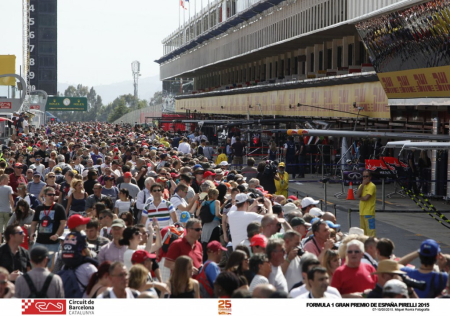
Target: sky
x=99, y=39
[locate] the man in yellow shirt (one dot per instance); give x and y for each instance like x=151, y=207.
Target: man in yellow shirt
x=221, y=157
x=367, y=195
x=283, y=183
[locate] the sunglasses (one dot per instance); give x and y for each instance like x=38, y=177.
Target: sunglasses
x=51, y=194
x=156, y=191
x=353, y=251
x=19, y=233
x=197, y=229
x=52, y=176
x=137, y=233
x=101, y=217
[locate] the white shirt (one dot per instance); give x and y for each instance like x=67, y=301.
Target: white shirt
x=176, y=201
x=122, y=206
x=184, y=147
x=294, y=273
x=277, y=279
x=325, y=295
x=238, y=221
x=83, y=273
x=128, y=254
x=39, y=168
x=258, y=279
x=297, y=292
x=141, y=199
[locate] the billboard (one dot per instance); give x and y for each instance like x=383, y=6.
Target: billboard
x=66, y=104
x=7, y=66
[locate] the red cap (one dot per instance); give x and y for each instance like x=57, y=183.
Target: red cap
x=262, y=191
x=127, y=175
x=139, y=256
x=208, y=174
x=77, y=220
x=161, y=179
x=116, y=149
x=258, y=240
x=215, y=245
x=18, y=165
x=292, y=197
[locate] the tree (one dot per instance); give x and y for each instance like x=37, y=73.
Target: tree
x=157, y=98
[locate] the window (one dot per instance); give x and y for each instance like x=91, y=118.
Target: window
x=321, y=60
x=329, y=58
x=339, y=56
x=311, y=68
x=350, y=54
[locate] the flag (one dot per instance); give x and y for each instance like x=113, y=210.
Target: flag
x=182, y=3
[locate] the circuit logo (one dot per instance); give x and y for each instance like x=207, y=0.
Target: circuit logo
x=46, y=307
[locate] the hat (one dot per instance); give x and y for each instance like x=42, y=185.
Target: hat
x=332, y=225
x=58, y=169
x=36, y=174
x=116, y=149
x=108, y=178
x=218, y=172
x=389, y=266
x=356, y=231
x=429, y=248
x=395, y=287
x=297, y=221
x=241, y=198
x=38, y=253
x=18, y=165
x=231, y=177
x=215, y=245
x=315, y=211
x=290, y=207
x=307, y=201
x=85, y=173
x=292, y=197
x=197, y=166
x=282, y=164
x=208, y=174
x=102, y=144
x=258, y=240
x=118, y=223
x=139, y=256
x=184, y=216
x=223, y=163
x=77, y=220
x=152, y=174
x=161, y=179
x=127, y=175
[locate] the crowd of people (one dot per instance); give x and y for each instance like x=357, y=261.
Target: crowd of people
x=116, y=211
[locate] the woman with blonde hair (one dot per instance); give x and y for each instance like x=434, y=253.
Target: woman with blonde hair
x=77, y=200
x=331, y=261
x=181, y=284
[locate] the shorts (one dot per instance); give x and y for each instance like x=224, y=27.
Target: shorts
x=368, y=224
x=4, y=218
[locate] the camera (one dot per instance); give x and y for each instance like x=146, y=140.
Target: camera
x=300, y=251
x=420, y=285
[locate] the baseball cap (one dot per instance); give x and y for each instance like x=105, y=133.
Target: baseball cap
x=356, y=231
x=258, y=240
x=429, y=248
x=208, y=174
x=231, y=177
x=297, y=221
x=315, y=211
x=282, y=164
x=223, y=163
x=388, y=266
x=127, y=175
x=241, y=198
x=118, y=223
x=307, y=201
x=333, y=225
x=292, y=197
x=215, y=245
x=36, y=174
x=139, y=256
x=395, y=287
x=289, y=207
x=18, y=165
x=77, y=220
x=58, y=169
x=184, y=216
x=197, y=166
x=38, y=253
x=115, y=149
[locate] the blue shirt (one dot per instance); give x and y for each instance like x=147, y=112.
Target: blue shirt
x=211, y=271
x=428, y=278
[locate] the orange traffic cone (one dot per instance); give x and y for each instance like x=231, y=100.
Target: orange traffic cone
x=350, y=195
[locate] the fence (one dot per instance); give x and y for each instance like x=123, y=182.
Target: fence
x=138, y=116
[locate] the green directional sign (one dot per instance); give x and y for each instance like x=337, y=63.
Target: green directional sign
x=66, y=104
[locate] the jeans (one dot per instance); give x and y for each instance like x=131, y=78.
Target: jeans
x=52, y=249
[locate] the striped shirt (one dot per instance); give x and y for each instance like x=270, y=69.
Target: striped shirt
x=162, y=212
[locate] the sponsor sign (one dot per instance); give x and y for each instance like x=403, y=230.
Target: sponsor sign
x=5, y=105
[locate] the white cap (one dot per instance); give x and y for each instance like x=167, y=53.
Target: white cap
x=223, y=163
x=241, y=198
x=289, y=208
x=395, y=287
x=307, y=201
x=317, y=212
x=356, y=231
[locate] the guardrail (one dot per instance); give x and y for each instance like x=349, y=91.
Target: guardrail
x=138, y=116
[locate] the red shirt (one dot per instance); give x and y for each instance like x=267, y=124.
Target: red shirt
x=181, y=247
x=14, y=182
x=352, y=280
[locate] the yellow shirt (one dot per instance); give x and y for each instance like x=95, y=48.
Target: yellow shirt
x=282, y=184
x=368, y=207
x=220, y=158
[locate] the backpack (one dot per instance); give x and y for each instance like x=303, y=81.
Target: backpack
x=206, y=291
x=35, y=293
x=71, y=254
x=71, y=283
x=173, y=233
x=205, y=213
